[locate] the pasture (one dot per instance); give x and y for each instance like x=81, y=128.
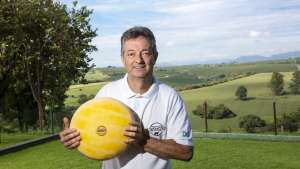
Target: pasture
x=183, y=76
x=260, y=102
x=208, y=154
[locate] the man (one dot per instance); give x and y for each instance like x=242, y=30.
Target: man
x=164, y=130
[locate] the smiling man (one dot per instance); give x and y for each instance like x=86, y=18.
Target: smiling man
x=163, y=131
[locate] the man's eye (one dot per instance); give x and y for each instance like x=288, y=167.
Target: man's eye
x=146, y=54
x=131, y=54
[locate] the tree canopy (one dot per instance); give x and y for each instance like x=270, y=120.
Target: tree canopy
x=295, y=84
x=277, y=83
x=44, y=48
x=241, y=93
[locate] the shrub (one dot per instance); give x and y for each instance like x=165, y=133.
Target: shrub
x=241, y=93
x=251, y=122
x=83, y=98
x=218, y=112
x=288, y=123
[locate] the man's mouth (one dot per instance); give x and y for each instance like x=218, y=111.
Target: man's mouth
x=139, y=67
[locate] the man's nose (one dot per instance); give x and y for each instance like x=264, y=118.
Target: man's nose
x=139, y=58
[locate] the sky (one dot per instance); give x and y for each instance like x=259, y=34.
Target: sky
x=196, y=31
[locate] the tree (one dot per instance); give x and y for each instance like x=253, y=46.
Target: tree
x=295, y=84
x=276, y=83
x=46, y=47
x=250, y=122
x=241, y=93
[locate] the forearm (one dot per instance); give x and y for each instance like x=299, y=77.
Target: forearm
x=168, y=149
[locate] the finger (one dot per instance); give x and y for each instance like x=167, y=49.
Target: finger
x=74, y=145
x=66, y=123
x=132, y=128
x=70, y=135
x=129, y=141
x=134, y=123
x=130, y=134
x=68, y=131
x=69, y=143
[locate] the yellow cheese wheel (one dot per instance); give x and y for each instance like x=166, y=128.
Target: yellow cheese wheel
x=101, y=123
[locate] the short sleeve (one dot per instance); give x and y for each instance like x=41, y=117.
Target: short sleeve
x=102, y=92
x=178, y=125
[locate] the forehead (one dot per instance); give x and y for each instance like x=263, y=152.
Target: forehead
x=137, y=43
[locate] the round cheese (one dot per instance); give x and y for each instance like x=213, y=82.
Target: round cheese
x=101, y=123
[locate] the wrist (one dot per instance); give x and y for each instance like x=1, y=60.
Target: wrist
x=146, y=137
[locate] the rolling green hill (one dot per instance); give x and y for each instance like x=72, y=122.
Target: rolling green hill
x=260, y=104
x=185, y=76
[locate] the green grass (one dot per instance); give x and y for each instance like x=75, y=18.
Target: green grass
x=14, y=138
x=76, y=90
x=96, y=74
x=261, y=104
x=209, y=154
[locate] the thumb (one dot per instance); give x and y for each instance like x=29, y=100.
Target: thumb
x=66, y=123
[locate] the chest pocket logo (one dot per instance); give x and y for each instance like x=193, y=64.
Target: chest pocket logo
x=156, y=129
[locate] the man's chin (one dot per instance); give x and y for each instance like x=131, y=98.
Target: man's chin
x=139, y=74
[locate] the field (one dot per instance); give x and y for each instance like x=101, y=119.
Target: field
x=76, y=90
x=209, y=154
x=259, y=104
x=183, y=76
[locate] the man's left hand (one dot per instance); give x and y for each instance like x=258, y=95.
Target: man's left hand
x=136, y=134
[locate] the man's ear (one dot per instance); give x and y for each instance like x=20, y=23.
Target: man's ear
x=155, y=58
x=123, y=60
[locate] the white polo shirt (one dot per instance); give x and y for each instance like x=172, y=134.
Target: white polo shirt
x=161, y=111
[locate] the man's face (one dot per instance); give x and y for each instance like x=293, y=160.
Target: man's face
x=137, y=57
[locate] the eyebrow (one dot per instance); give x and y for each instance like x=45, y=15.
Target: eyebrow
x=132, y=50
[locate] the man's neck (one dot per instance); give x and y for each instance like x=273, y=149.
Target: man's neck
x=140, y=85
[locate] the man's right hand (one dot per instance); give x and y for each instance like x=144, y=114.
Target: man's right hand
x=70, y=138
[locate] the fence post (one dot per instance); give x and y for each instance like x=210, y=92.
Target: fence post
x=275, y=119
x=205, y=116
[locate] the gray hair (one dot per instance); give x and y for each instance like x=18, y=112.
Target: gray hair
x=137, y=31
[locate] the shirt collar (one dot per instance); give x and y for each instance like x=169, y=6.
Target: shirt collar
x=128, y=93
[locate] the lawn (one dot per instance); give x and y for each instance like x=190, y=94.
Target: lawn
x=14, y=138
x=209, y=154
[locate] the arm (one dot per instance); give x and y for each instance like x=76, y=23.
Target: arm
x=168, y=148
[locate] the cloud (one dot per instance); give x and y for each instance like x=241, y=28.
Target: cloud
x=199, y=30
x=257, y=34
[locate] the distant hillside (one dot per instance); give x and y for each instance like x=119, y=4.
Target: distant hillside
x=255, y=58
x=250, y=58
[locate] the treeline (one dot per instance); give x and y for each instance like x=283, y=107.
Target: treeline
x=44, y=48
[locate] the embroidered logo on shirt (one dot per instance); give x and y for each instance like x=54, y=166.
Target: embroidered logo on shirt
x=185, y=134
x=156, y=129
